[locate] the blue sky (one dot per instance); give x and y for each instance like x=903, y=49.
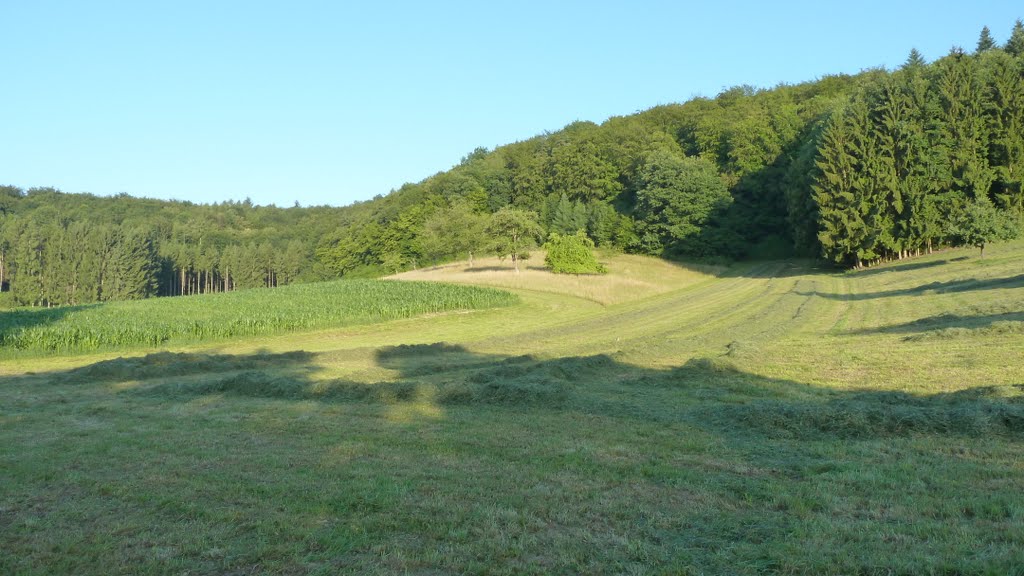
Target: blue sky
x=333, y=102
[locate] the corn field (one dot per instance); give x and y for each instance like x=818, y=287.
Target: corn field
x=153, y=322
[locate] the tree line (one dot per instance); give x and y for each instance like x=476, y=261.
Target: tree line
x=925, y=155
x=855, y=169
x=66, y=249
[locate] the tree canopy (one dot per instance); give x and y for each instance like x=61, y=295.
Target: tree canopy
x=514, y=234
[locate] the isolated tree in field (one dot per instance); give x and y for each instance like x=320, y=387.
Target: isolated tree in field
x=514, y=233
x=676, y=197
x=571, y=254
x=457, y=230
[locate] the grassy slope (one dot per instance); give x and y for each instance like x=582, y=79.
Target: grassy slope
x=772, y=418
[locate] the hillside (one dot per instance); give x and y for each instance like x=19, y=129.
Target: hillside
x=762, y=417
x=855, y=169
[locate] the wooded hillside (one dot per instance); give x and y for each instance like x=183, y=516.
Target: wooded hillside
x=855, y=169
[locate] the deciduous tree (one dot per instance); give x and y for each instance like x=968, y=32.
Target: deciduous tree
x=514, y=233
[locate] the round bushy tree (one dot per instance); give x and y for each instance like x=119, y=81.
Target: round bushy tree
x=514, y=233
x=571, y=254
x=676, y=198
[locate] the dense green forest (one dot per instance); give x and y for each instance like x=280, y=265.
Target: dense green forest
x=60, y=249
x=852, y=168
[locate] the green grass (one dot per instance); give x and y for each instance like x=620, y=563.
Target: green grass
x=234, y=314
x=771, y=419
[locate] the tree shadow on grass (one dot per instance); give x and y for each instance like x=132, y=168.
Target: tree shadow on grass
x=907, y=267
x=948, y=287
x=508, y=268
x=947, y=323
x=707, y=393
x=774, y=269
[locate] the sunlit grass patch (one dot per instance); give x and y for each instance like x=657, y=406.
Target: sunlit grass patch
x=629, y=277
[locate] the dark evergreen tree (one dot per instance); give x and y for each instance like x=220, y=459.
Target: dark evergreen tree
x=915, y=61
x=568, y=217
x=964, y=126
x=985, y=41
x=1015, y=45
x=1005, y=100
x=844, y=191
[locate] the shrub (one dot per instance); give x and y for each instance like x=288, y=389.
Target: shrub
x=571, y=254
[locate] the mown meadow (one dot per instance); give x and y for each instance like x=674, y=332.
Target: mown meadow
x=763, y=418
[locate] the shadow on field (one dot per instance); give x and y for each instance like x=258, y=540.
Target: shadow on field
x=508, y=268
x=773, y=269
x=708, y=393
x=908, y=267
x=949, y=287
x=954, y=325
x=13, y=322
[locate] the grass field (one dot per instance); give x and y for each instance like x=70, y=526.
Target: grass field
x=143, y=323
x=763, y=418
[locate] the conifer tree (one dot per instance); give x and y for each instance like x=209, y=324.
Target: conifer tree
x=964, y=132
x=915, y=61
x=985, y=41
x=843, y=191
x=568, y=217
x=1005, y=90
x=28, y=255
x=1015, y=45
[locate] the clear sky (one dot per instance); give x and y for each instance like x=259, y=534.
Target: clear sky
x=333, y=102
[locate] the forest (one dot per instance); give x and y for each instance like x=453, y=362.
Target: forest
x=854, y=169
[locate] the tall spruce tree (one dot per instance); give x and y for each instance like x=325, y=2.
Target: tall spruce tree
x=1005, y=99
x=844, y=189
x=965, y=128
x=1015, y=45
x=914, y=60
x=922, y=223
x=985, y=41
